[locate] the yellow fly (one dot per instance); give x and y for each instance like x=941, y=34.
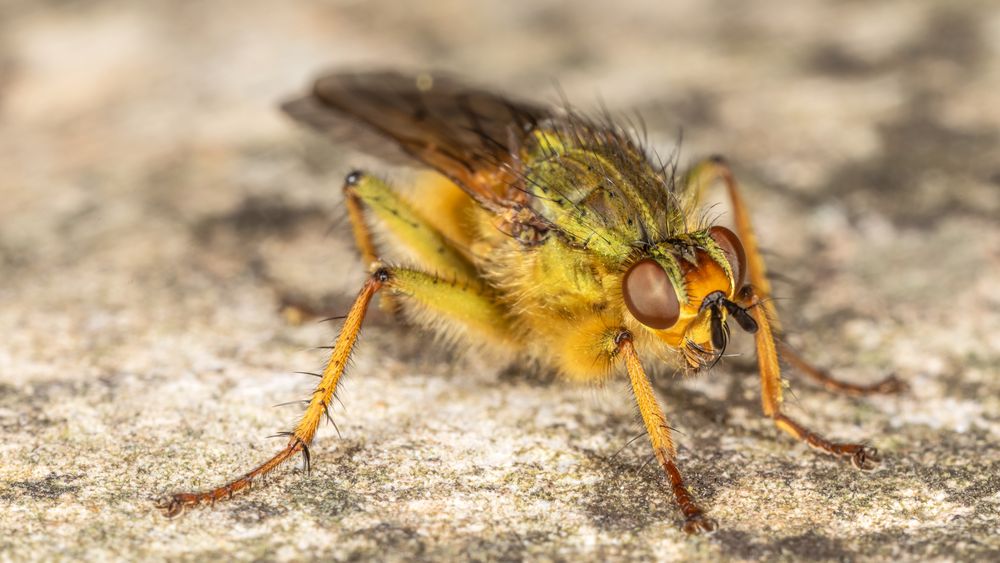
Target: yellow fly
x=553, y=236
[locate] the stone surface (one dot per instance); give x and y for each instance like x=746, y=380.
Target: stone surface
x=154, y=205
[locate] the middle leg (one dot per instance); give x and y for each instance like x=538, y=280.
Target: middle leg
x=861, y=456
x=367, y=196
x=698, y=179
x=432, y=298
x=369, y=199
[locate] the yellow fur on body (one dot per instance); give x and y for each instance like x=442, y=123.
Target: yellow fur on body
x=562, y=306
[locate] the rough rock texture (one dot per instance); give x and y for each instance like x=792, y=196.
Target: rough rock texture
x=154, y=206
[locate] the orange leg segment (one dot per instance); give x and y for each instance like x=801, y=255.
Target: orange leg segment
x=699, y=178
x=462, y=304
x=302, y=436
x=862, y=457
x=695, y=521
x=756, y=297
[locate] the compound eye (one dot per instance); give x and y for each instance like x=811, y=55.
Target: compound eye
x=733, y=249
x=650, y=296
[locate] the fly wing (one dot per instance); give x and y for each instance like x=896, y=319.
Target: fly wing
x=465, y=133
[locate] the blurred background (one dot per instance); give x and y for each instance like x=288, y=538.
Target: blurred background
x=155, y=206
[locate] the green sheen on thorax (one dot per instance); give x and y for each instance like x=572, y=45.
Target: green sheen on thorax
x=599, y=189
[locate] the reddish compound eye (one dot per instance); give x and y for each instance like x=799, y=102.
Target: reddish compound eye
x=650, y=296
x=733, y=249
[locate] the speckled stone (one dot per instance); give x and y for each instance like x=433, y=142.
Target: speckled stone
x=155, y=206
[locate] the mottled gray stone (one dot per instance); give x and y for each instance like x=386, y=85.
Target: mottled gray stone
x=154, y=205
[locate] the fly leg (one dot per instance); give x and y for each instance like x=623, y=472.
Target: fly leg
x=367, y=197
x=301, y=437
x=861, y=456
x=435, y=300
x=887, y=385
x=365, y=194
x=698, y=179
x=695, y=521
x=404, y=224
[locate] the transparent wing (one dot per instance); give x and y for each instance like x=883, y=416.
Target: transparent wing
x=465, y=133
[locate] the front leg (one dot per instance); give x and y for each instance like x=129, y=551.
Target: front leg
x=695, y=521
x=698, y=179
x=861, y=456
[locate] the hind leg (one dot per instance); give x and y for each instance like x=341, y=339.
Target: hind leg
x=370, y=200
x=368, y=197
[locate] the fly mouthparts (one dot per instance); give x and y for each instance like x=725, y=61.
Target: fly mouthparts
x=741, y=315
